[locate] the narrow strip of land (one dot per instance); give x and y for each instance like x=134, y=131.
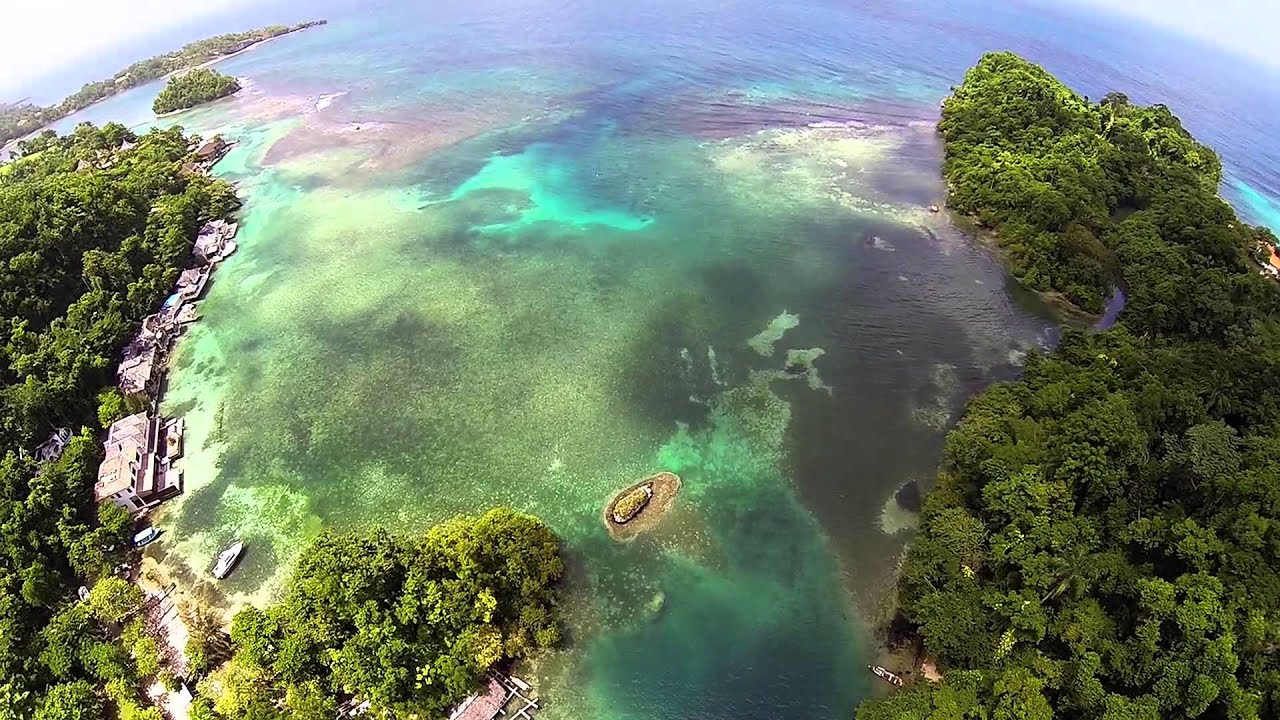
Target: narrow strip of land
x=20, y=119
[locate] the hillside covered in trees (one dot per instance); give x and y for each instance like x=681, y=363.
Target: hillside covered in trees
x=1049, y=171
x=409, y=624
x=1102, y=539
x=192, y=88
x=94, y=228
x=19, y=119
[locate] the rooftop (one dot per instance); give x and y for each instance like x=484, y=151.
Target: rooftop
x=133, y=427
x=482, y=706
x=135, y=373
x=119, y=470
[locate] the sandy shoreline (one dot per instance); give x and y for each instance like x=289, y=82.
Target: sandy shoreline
x=260, y=43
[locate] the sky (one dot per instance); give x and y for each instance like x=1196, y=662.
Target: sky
x=73, y=39
x=1241, y=27
x=47, y=36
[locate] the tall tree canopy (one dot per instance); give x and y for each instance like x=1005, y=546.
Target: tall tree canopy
x=409, y=624
x=1047, y=170
x=1102, y=537
x=191, y=88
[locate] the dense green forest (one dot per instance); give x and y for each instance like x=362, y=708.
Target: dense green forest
x=94, y=228
x=1101, y=541
x=409, y=624
x=21, y=119
x=1048, y=171
x=192, y=88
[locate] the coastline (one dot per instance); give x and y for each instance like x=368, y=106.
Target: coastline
x=900, y=649
x=247, y=48
x=179, y=595
x=10, y=145
x=1067, y=311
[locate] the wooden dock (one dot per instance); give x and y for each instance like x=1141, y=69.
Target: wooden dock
x=520, y=702
x=504, y=696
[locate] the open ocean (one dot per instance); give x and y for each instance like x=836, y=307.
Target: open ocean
x=528, y=252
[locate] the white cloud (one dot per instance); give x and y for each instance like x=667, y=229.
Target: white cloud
x=44, y=36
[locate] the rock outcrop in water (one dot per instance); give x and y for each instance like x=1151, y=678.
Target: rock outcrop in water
x=640, y=508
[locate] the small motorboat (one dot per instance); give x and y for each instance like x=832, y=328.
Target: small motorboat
x=885, y=675
x=227, y=560
x=146, y=537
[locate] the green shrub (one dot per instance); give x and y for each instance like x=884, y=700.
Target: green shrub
x=629, y=505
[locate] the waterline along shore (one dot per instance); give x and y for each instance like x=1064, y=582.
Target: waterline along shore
x=141, y=466
x=140, y=469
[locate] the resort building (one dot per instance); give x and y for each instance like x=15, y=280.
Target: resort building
x=208, y=154
x=158, y=329
x=135, y=374
x=214, y=243
x=138, y=470
x=502, y=695
x=211, y=148
x=482, y=706
x=190, y=285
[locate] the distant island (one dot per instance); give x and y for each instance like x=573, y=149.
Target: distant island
x=19, y=119
x=194, y=87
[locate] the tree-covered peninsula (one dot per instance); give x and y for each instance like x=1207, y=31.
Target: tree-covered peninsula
x=20, y=119
x=1049, y=172
x=94, y=229
x=194, y=87
x=408, y=624
x=1102, y=539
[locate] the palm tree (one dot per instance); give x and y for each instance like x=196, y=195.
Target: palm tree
x=206, y=636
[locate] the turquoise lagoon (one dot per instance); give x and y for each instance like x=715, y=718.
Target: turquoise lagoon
x=525, y=253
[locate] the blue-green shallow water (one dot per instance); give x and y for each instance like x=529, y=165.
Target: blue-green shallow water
x=523, y=253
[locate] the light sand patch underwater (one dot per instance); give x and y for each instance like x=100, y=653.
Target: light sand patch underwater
x=822, y=166
x=764, y=341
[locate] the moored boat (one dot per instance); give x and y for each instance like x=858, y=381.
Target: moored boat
x=885, y=675
x=227, y=560
x=146, y=537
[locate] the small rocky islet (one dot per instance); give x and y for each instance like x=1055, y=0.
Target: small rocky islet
x=640, y=507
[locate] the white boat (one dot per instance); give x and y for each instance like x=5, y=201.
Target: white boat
x=227, y=560
x=145, y=537
x=885, y=675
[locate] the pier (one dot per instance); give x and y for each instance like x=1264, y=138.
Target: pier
x=504, y=696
